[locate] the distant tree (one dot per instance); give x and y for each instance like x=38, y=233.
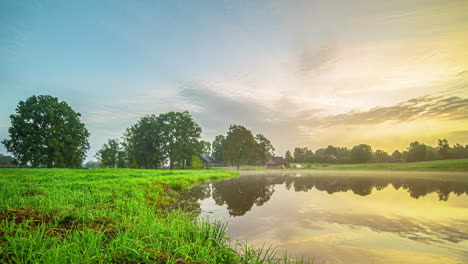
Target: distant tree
x=265, y=149
x=381, y=156
x=217, y=148
x=288, y=156
x=397, y=155
x=92, y=164
x=109, y=153
x=444, y=148
x=304, y=155
x=433, y=154
x=6, y=160
x=205, y=147
x=343, y=155
x=182, y=134
x=240, y=146
x=320, y=155
x=417, y=151
x=459, y=152
x=299, y=154
x=309, y=156
x=331, y=150
x=47, y=133
x=361, y=153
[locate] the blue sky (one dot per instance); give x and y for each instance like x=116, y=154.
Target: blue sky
x=289, y=70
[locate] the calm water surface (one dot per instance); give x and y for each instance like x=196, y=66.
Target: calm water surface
x=346, y=217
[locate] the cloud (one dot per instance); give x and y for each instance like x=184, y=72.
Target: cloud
x=424, y=107
x=316, y=61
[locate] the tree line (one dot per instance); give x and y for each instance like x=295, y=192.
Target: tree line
x=173, y=140
x=363, y=153
x=46, y=132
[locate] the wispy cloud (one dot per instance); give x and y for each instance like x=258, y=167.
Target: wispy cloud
x=424, y=107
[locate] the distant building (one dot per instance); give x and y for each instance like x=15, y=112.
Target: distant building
x=277, y=163
x=331, y=156
x=208, y=161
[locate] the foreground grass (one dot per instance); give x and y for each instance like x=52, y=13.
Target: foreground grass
x=109, y=216
x=436, y=165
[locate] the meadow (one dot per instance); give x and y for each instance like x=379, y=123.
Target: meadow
x=436, y=165
x=111, y=216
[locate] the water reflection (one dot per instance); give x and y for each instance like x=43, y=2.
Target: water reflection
x=341, y=217
x=242, y=193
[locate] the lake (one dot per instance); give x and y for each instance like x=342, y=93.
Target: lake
x=345, y=216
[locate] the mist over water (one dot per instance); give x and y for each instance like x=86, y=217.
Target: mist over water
x=346, y=217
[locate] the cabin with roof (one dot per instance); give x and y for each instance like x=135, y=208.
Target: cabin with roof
x=277, y=163
x=208, y=161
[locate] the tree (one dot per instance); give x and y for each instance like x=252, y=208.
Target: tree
x=91, y=164
x=265, y=149
x=6, y=160
x=444, y=148
x=361, y=153
x=197, y=163
x=288, y=156
x=397, y=155
x=205, y=147
x=303, y=155
x=217, y=148
x=309, y=156
x=381, y=156
x=182, y=136
x=145, y=143
x=240, y=146
x=109, y=153
x=47, y=133
x=417, y=151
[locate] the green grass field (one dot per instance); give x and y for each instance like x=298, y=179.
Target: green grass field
x=437, y=165
x=110, y=216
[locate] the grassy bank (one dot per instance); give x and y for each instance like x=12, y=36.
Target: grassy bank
x=107, y=216
x=437, y=165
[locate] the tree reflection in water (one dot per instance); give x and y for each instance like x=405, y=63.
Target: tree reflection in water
x=242, y=193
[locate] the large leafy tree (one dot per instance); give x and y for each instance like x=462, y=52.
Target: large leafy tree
x=46, y=132
x=240, y=146
x=182, y=135
x=265, y=149
x=144, y=143
x=361, y=153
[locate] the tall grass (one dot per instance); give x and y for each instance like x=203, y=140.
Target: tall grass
x=111, y=216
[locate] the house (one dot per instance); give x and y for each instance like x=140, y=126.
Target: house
x=331, y=157
x=277, y=163
x=207, y=160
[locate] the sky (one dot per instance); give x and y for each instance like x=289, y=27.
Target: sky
x=302, y=73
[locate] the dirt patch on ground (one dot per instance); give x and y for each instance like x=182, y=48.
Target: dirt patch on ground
x=19, y=215
x=32, y=192
x=54, y=228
